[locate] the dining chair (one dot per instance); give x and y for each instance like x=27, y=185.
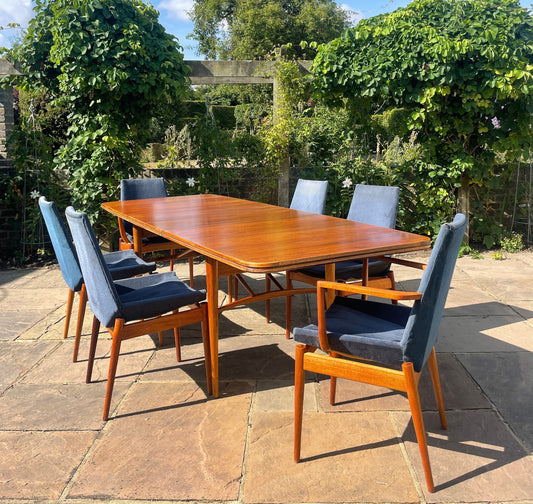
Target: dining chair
x=144, y=188
x=134, y=306
x=309, y=196
x=122, y=264
x=371, y=204
x=391, y=342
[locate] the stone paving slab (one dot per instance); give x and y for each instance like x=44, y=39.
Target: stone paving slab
x=55, y=407
x=17, y=358
x=476, y=459
x=346, y=457
x=512, y=389
x=484, y=334
x=193, y=448
x=40, y=464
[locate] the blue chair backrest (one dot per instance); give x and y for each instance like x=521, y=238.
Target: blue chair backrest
x=62, y=244
x=101, y=291
x=375, y=205
x=310, y=196
x=143, y=188
x=422, y=328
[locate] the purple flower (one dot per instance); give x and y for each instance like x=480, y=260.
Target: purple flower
x=496, y=123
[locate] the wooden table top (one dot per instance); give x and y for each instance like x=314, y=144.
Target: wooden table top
x=257, y=237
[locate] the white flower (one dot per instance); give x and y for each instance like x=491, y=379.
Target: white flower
x=35, y=194
x=191, y=182
x=496, y=123
x=347, y=183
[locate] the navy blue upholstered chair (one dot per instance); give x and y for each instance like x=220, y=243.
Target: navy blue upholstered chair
x=122, y=264
x=309, y=196
x=135, y=306
x=392, y=342
x=375, y=205
x=144, y=188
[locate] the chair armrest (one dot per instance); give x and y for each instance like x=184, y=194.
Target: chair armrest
x=122, y=231
x=403, y=262
x=369, y=291
x=323, y=285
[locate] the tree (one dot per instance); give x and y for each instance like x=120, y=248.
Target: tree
x=462, y=70
x=110, y=63
x=247, y=29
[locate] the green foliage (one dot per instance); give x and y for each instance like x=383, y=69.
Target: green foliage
x=249, y=29
x=38, y=133
x=110, y=63
x=512, y=242
x=462, y=69
x=215, y=160
x=467, y=250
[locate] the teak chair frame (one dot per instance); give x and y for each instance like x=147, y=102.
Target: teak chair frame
x=404, y=380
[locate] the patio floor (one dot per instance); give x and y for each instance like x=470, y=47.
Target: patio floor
x=166, y=441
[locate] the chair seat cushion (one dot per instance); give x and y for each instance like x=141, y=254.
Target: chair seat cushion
x=347, y=270
x=151, y=295
x=366, y=329
x=126, y=263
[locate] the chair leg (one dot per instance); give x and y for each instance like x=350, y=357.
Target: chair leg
x=435, y=379
x=92, y=349
x=332, y=384
x=191, y=271
x=70, y=302
x=79, y=323
x=207, y=349
x=418, y=422
x=177, y=343
x=299, y=382
x=230, y=288
x=288, y=307
x=161, y=338
x=113, y=361
x=390, y=274
x=172, y=252
x=267, y=302
x=235, y=287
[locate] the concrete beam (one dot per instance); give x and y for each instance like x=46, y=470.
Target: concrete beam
x=234, y=72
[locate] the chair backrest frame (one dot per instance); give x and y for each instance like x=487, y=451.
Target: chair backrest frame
x=101, y=291
x=422, y=329
x=141, y=188
x=375, y=205
x=62, y=244
x=310, y=196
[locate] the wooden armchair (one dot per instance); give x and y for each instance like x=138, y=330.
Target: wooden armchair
x=379, y=343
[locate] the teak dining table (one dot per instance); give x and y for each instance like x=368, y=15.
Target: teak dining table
x=237, y=236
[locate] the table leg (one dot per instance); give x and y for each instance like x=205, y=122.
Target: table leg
x=211, y=274
x=330, y=277
x=137, y=240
